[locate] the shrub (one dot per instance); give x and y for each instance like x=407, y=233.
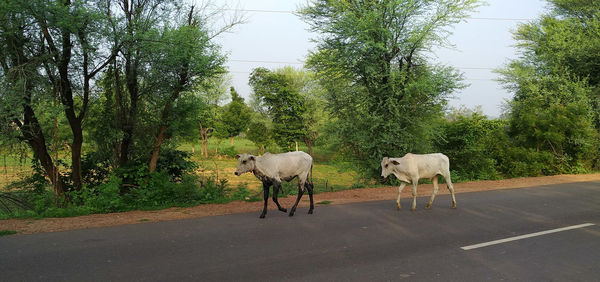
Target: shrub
x=229, y=151
x=469, y=144
x=102, y=198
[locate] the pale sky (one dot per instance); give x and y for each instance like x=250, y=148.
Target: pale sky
x=274, y=37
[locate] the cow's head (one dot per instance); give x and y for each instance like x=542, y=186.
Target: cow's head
x=246, y=163
x=387, y=166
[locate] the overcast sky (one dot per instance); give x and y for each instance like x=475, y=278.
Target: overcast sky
x=273, y=37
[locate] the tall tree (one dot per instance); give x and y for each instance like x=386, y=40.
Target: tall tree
x=236, y=116
x=69, y=50
x=371, y=57
x=315, y=116
x=283, y=103
x=556, y=84
x=22, y=83
x=188, y=57
x=73, y=35
x=134, y=25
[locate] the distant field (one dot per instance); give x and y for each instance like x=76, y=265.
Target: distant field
x=323, y=174
x=13, y=169
x=327, y=173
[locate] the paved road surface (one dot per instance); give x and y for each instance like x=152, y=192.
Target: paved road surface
x=355, y=242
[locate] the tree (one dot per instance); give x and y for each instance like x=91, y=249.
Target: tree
x=175, y=70
x=236, y=116
x=315, y=116
x=556, y=104
x=469, y=140
x=259, y=134
x=283, y=103
x=371, y=59
x=60, y=43
x=212, y=93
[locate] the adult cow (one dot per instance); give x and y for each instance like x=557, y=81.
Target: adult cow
x=271, y=169
x=412, y=167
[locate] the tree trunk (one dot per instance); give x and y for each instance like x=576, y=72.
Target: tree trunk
x=32, y=132
x=76, y=173
x=309, y=143
x=203, y=140
x=231, y=141
x=129, y=121
x=160, y=138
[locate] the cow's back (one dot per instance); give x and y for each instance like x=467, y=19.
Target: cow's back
x=429, y=165
x=286, y=164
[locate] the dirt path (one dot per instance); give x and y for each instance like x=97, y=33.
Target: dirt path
x=28, y=226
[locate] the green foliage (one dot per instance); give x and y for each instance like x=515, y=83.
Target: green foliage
x=260, y=135
x=103, y=198
x=469, y=142
x=236, y=115
x=552, y=113
x=556, y=109
x=371, y=57
x=229, y=151
x=275, y=92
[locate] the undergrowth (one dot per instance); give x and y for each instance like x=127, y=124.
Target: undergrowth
x=152, y=192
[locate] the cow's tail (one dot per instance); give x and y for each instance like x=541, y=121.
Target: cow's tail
x=312, y=186
x=311, y=174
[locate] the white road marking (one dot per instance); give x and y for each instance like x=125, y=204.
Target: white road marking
x=481, y=245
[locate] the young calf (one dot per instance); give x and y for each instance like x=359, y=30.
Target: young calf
x=412, y=167
x=271, y=169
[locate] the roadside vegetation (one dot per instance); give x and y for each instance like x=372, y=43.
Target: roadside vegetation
x=110, y=106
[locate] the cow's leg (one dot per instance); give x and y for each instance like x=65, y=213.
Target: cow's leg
x=451, y=188
x=266, y=197
x=276, y=187
x=414, y=194
x=310, y=187
x=300, y=192
x=400, y=188
x=435, y=190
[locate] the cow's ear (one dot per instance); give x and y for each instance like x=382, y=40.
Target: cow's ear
x=252, y=158
x=395, y=162
x=385, y=159
x=237, y=156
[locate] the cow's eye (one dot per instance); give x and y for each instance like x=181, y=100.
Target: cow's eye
x=386, y=166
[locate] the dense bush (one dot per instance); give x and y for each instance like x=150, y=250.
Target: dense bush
x=469, y=143
x=154, y=191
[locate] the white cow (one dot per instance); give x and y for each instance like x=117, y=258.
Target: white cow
x=412, y=167
x=271, y=169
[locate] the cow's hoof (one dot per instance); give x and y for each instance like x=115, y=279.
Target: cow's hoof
x=283, y=209
x=428, y=207
x=310, y=212
x=413, y=209
x=262, y=216
x=454, y=207
x=291, y=214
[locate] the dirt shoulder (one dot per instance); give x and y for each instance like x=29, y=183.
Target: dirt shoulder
x=29, y=226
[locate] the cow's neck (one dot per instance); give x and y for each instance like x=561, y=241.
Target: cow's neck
x=259, y=173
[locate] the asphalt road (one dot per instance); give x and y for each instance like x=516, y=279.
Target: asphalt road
x=369, y=241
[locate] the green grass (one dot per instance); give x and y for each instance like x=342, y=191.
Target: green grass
x=7, y=232
x=324, y=202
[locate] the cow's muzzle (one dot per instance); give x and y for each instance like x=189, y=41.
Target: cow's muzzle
x=237, y=173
